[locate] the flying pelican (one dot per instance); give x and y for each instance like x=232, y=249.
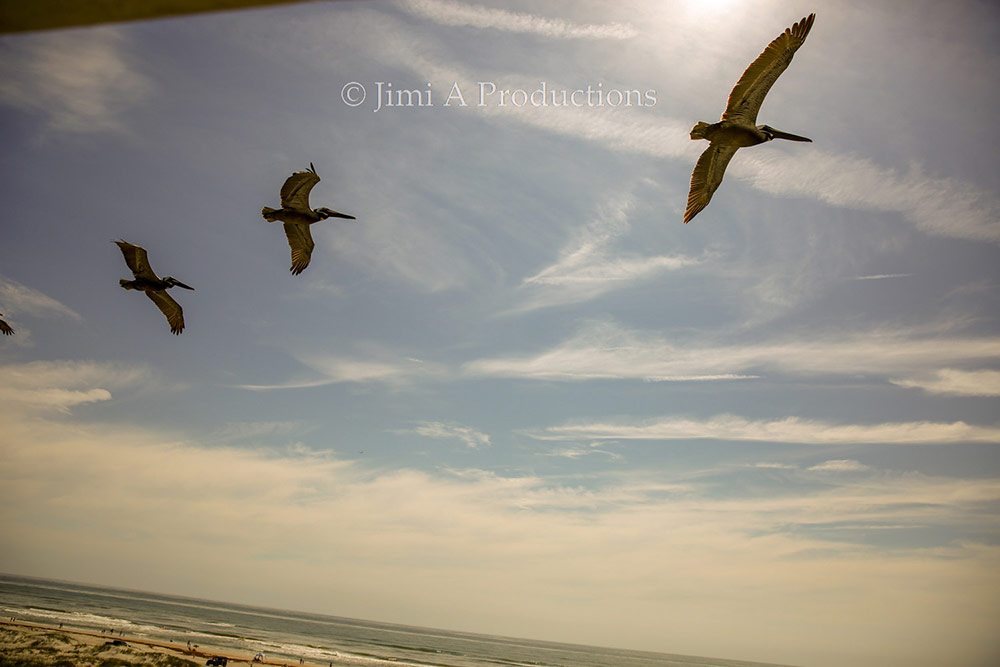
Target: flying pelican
x=154, y=287
x=737, y=128
x=5, y=328
x=297, y=216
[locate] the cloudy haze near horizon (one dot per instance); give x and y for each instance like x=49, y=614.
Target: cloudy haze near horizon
x=517, y=395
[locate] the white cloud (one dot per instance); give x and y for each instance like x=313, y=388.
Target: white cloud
x=937, y=206
x=60, y=385
x=80, y=79
x=471, y=437
x=956, y=382
x=775, y=466
x=580, y=269
x=603, y=351
x=292, y=384
x=461, y=14
x=840, y=465
x=607, y=351
x=347, y=369
x=883, y=276
x=342, y=369
x=588, y=266
x=22, y=299
x=789, y=430
x=578, y=452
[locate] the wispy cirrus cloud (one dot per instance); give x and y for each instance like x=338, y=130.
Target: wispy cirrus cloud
x=580, y=451
x=588, y=266
x=956, y=382
x=774, y=466
x=447, y=12
x=81, y=80
x=472, y=438
x=840, y=465
x=337, y=369
x=787, y=430
x=604, y=350
x=883, y=276
x=23, y=299
x=937, y=206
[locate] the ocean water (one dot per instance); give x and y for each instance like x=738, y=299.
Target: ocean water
x=290, y=635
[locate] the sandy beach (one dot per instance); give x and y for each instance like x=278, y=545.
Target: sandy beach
x=34, y=645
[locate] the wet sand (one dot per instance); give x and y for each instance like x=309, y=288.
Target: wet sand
x=34, y=645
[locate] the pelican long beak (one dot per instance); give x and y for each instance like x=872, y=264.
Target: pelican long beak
x=342, y=215
x=178, y=283
x=778, y=134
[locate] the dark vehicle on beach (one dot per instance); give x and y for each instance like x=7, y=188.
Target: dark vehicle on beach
x=116, y=642
x=218, y=660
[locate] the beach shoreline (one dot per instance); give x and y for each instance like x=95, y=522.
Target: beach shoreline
x=42, y=644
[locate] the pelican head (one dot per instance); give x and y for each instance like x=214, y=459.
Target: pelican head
x=770, y=134
x=173, y=282
x=324, y=213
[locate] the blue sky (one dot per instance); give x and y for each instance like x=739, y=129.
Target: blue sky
x=517, y=395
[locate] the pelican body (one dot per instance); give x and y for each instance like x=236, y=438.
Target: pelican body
x=154, y=286
x=297, y=216
x=5, y=328
x=728, y=133
x=738, y=128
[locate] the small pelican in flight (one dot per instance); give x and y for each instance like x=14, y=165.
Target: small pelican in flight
x=154, y=287
x=737, y=128
x=5, y=328
x=297, y=216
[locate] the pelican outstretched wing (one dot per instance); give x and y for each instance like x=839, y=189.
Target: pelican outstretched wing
x=301, y=242
x=135, y=258
x=5, y=329
x=706, y=177
x=295, y=191
x=748, y=95
x=170, y=308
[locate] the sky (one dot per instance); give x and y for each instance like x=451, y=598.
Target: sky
x=517, y=395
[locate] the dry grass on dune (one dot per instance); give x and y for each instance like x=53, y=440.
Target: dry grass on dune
x=52, y=648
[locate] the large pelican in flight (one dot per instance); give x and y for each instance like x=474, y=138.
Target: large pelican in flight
x=737, y=127
x=297, y=216
x=5, y=328
x=154, y=286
